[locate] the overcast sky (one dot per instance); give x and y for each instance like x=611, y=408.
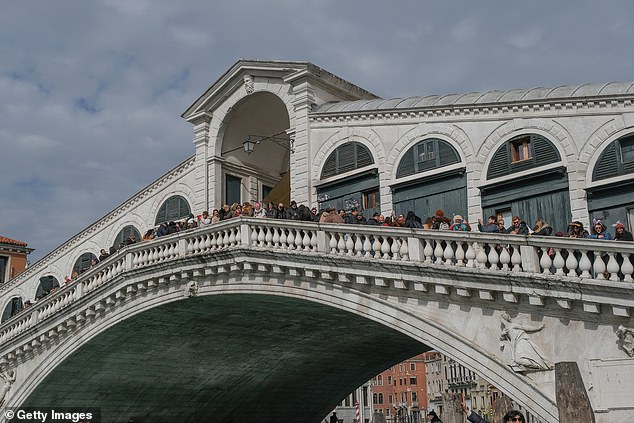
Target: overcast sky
x=91, y=92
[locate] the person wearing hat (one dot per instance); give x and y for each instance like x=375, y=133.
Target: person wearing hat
x=599, y=231
x=433, y=417
x=620, y=233
x=575, y=230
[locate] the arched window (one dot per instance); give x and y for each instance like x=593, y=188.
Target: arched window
x=83, y=262
x=521, y=153
x=617, y=159
x=380, y=399
x=349, y=156
x=47, y=283
x=426, y=155
x=125, y=234
x=174, y=208
x=375, y=398
x=13, y=308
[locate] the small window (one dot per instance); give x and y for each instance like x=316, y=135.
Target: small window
x=233, y=190
x=4, y=269
x=387, y=410
x=412, y=381
x=391, y=400
x=412, y=366
x=380, y=399
x=371, y=199
x=414, y=396
x=521, y=150
x=266, y=190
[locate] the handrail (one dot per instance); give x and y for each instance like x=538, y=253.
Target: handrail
x=575, y=259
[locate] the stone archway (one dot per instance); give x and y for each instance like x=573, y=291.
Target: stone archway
x=261, y=117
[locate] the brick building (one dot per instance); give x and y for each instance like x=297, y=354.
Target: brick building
x=400, y=392
x=13, y=258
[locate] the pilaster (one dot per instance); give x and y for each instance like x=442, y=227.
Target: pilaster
x=201, y=178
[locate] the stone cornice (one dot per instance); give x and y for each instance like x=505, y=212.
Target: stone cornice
x=492, y=111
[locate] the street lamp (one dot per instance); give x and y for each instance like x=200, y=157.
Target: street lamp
x=253, y=140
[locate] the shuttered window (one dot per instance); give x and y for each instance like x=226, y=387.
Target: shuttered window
x=617, y=159
x=522, y=153
x=174, y=208
x=83, y=262
x=427, y=155
x=349, y=156
x=125, y=234
x=14, y=306
x=47, y=283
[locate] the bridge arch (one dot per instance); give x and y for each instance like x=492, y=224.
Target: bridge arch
x=414, y=330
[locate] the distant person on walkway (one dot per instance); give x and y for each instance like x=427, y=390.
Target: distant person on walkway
x=620, y=233
x=433, y=417
x=542, y=228
x=334, y=418
x=576, y=230
x=599, y=231
x=518, y=227
x=491, y=225
x=459, y=224
x=513, y=416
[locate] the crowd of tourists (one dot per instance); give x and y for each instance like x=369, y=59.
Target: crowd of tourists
x=439, y=221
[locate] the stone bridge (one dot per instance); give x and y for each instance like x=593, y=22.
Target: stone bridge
x=237, y=321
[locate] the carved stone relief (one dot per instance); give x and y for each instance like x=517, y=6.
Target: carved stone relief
x=626, y=339
x=527, y=356
x=248, y=84
x=8, y=378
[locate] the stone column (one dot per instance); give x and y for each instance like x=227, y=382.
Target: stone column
x=201, y=143
x=303, y=100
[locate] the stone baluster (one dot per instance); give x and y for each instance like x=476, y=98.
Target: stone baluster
x=559, y=262
x=585, y=265
x=448, y=254
x=290, y=239
x=438, y=252
x=404, y=252
x=395, y=249
x=599, y=266
x=493, y=257
x=276, y=237
x=470, y=255
x=627, y=268
x=269, y=237
x=505, y=257
x=367, y=247
x=460, y=254
x=376, y=247
x=341, y=245
x=516, y=258
x=385, y=248
x=283, y=239
x=333, y=243
x=571, y=263
x=428, y=251
x=358, y=245
x=261, y=236
x=613, y=267
x=306, y=240
x=481, y=256
x=545, y=262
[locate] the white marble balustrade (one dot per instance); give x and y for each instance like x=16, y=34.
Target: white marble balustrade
x=607, y=261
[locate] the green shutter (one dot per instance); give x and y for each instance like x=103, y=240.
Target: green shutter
x=500, y=163
x=347, y=157
x=608, y=165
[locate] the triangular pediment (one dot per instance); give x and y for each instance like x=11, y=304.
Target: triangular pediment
x=290, y=72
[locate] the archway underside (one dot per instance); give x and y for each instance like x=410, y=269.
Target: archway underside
x=225, y=358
